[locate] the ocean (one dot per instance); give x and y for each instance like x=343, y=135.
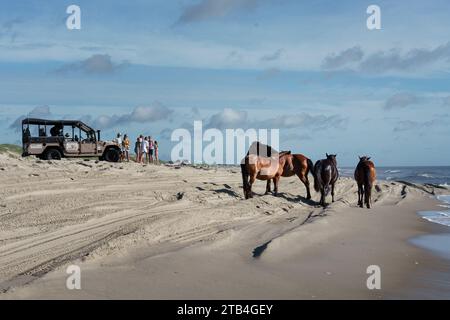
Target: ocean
x=433, y=175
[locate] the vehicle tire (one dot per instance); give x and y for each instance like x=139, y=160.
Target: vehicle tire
x=53, y=154
x=111, y=155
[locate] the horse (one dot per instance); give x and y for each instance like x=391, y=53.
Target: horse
x=365, y=175
x=266, y=166
x=325, y=175
x=300, y=165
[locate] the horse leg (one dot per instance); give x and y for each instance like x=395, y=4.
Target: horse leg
x=332, y=192
x=276, y=180
x=252, y=181
x=305, y=181
x=268, y=187
x=322, y=196
x=360, y=195
x=368, y=191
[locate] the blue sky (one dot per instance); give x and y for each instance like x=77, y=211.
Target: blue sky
x=310, y=68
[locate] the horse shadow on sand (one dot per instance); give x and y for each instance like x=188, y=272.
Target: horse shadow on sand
x=229, y=192
x=297, y=199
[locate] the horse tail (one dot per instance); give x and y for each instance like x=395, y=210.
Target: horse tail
x=317, y=176
x=311, y=169
x=328, y=178
x=367, y=184
x=245, y=178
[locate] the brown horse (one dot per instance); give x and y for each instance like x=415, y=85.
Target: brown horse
x=325, y=175
x=365, y=175
x=262, y=163
x=297, y=164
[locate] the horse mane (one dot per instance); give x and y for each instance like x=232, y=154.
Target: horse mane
x=257, y=148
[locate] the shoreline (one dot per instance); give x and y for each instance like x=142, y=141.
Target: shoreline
x=193, y=272
x=186, y=233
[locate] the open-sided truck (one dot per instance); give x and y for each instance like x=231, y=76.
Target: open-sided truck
x=56, y=139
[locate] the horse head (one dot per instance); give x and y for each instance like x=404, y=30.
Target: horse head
x=332, y=157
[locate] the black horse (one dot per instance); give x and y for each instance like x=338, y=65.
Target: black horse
x=325, y=176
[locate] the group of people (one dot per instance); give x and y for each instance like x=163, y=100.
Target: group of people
x=145, y=148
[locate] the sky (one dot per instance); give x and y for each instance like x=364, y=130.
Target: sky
x=311, y=69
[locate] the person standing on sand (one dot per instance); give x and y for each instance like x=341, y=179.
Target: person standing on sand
x=119, y=142
x=137, y=149
x=126, y=147
x=144, y=151
x=156, y=152
x=151, y=148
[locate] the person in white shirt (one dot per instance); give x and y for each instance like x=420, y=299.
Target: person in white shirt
x=144, y=150
x=119, y=142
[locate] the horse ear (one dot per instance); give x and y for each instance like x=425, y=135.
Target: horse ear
x=326, y=154
x=359, y=157
x=368, y=158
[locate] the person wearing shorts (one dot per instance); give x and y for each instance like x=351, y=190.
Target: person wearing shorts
x=126, y=148
x=144, y=151
x=156, y=152
x=119, y=142
x=137, y=149
x=151, y=148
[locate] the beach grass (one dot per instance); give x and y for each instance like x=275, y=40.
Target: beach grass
x=10, y=148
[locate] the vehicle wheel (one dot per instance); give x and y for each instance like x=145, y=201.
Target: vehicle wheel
x=112, y=155
x=53, y=154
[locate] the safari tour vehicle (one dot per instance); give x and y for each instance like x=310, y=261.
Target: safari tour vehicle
x=56, y=139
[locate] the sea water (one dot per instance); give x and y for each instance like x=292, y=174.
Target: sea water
x=432, y=175
x=439, y=243
x=439, y=176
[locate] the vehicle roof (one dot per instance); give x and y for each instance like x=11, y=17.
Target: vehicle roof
x=76, y=123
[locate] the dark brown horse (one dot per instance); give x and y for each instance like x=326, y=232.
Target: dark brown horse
x=262, y=163
x=365, y=175
x=297, y=164
x=325, y=176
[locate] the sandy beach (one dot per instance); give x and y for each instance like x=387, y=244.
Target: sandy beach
x=159, y=232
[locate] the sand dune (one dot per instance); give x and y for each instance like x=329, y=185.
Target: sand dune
x=95, y=213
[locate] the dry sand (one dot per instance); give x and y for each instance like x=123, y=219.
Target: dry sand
x=157, y=232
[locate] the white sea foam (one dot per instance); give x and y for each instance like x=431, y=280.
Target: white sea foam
x=444, y=198
x=392, y=171
x=426, y=175
x=440, y=217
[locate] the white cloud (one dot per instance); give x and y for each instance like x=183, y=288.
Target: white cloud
x=143, y=114
x=209, y=9
x=37, y=112
x=228, y=118
x=96, y=64
x=400, y=100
